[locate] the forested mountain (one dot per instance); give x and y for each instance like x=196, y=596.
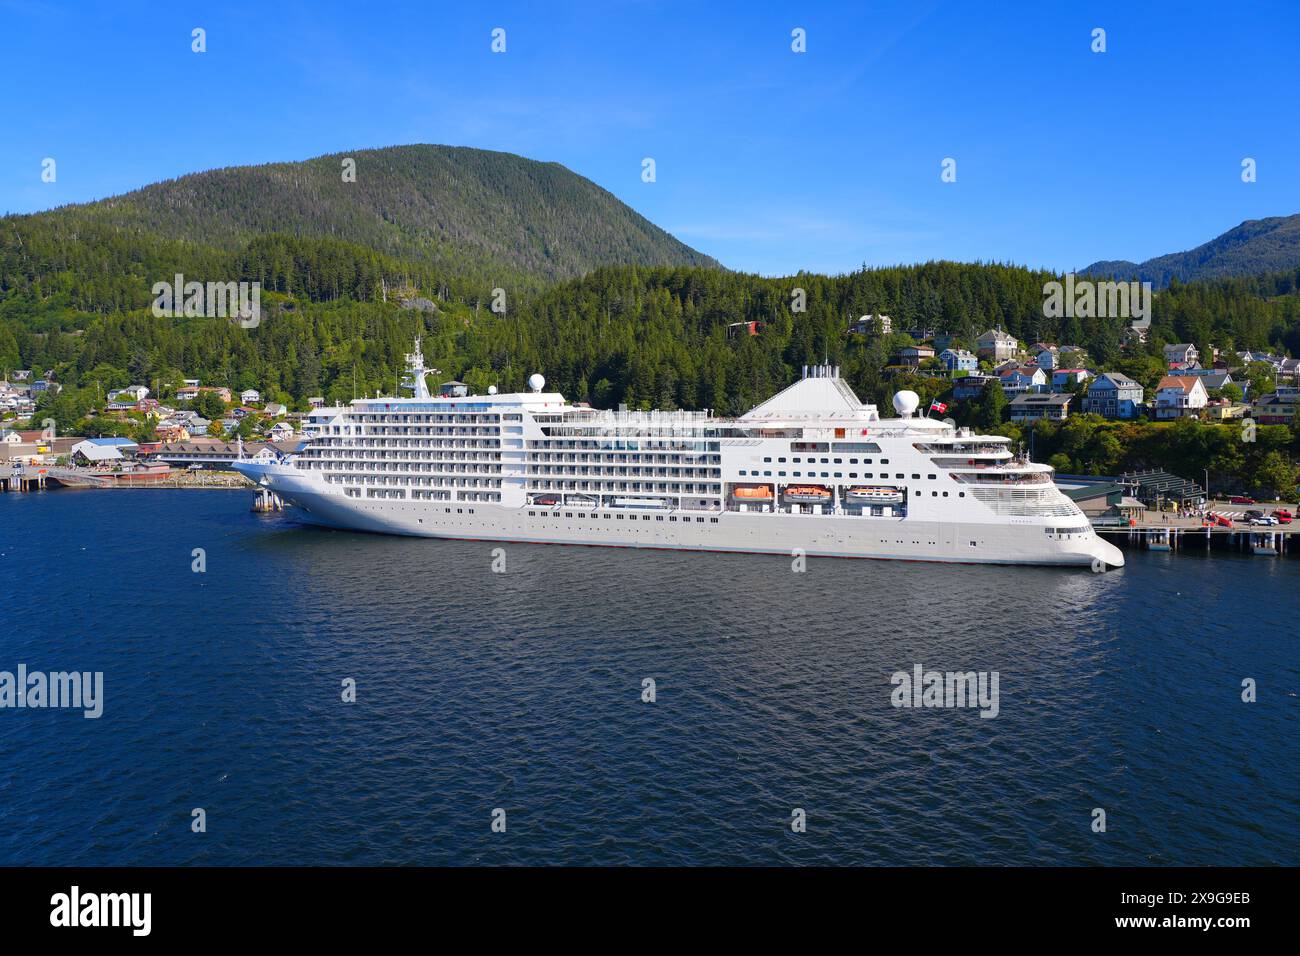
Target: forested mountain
x=1254, y=247
x=455, y=217
x=337, y=270
x=650, y=337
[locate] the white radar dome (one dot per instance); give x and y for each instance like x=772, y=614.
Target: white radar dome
x=906, y=402
x=492, y=389
x=536, y=382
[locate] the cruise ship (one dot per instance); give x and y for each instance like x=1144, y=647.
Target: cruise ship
x=811, y=471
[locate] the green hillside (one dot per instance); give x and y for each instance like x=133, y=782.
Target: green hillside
x=1256, y=246
x=449, y=220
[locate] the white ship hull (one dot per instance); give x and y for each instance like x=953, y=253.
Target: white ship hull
x=473, y=466
x=1008, y=541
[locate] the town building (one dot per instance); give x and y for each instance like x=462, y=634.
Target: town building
x=739, y=329
x=1178, y=396
x=1278, y=408
x=99, y=451
x=188, y=393
x=132, y=393
x=997, y=345
x=914, y=355
x=1114, y=395
x=1065, y=377
x=1023, y=378
x=1183, y=353
x=879, y=324
x=1032, y=407
x=971, y=386
x=218, y=455
x=959, y=360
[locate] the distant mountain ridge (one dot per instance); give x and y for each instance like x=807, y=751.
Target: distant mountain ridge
x=1254, y=247
x=454, y=208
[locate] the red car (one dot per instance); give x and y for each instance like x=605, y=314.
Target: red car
x=1222, y=521
x=1283, y=515
x=1242, y=500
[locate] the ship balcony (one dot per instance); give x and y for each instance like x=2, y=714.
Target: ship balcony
x=992, y=459
x=1003, y=476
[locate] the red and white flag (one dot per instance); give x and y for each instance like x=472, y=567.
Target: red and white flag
x=939, y=407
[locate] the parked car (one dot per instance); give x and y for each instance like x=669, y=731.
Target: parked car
x=1284, y=518
x=1254, y=513
x=1242, y=500
x=1263, y=521
x=1283, y=513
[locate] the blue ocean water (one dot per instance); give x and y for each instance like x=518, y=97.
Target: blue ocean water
x=522, y=691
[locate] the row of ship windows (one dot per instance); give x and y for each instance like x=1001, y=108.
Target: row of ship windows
x=594, y=516
x=453, y=483
x=837, y=474
x=380, y=493
x=394, y=464
x=827, y=461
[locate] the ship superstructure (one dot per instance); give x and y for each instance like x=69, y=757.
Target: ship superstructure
x=812, y=468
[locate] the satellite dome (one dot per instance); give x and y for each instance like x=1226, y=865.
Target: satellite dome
x=906, y=402
x=536, y=382
x=492, y=389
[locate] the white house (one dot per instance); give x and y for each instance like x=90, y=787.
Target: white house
x=280, y=431
x=249, y=395
x=1180, y=395
x=1027, y=378
x=94, y=452
x=880, y=324
x=132, y=393
x=996, y=345
x=1182, y=353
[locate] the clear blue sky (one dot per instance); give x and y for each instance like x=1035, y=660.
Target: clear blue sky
x=769, y=160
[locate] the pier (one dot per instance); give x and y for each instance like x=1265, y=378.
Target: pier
x=1181, y=534
x=42, y=477
x=24, y=479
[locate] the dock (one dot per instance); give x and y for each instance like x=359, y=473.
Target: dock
x=1181, y=534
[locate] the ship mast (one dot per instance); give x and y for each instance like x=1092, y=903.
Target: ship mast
x=415, y=372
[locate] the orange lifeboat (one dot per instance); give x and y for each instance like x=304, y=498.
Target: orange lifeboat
x=808, y=494
x=753, y=492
